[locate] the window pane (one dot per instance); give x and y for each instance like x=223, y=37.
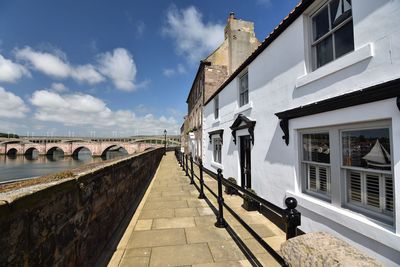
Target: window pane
x=344, y=40
x=389, y=193
x=340, y=11
x=367, y=149
x=313, y=177
x=320, y=23
x=355, y=186
x=244, y=83
x=323, y=179
x=316, y=147
x=324, y=51
x=373, y=190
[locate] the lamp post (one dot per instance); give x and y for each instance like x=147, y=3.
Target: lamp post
x=165, y=142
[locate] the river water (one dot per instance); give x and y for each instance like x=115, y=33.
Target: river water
x=28, y=166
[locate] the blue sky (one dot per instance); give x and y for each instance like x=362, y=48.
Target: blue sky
x=110, y=68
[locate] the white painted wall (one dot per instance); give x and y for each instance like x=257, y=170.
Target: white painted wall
x=279, y=80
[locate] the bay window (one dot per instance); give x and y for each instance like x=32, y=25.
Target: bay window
x=360, y=158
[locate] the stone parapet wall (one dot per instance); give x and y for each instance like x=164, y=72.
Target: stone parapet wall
x=69, y=222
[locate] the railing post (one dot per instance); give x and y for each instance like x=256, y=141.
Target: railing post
x=187, y=166
x=183, y=161
x=191, y=170
x=221, y=223
x=291, y=217
x=201, y=195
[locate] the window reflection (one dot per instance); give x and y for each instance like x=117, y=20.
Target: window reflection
x=367, y=149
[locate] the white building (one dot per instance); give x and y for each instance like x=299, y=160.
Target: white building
x=313, y=113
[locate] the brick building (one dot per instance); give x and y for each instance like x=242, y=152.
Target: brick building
x=239, y=43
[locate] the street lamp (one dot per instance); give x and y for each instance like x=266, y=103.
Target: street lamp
x=165, y=142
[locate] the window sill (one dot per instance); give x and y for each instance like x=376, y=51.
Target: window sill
x=217, y=165
x=370, y=228
x=243, y=108
x=343, y=62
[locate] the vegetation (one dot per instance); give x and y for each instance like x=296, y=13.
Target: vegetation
x=229, y=189
x=8, y=135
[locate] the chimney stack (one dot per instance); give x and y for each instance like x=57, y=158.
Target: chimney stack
x=231, y=16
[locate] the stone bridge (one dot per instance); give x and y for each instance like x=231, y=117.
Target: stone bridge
x=71, y=148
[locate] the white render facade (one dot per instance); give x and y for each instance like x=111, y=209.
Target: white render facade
x=349, y=196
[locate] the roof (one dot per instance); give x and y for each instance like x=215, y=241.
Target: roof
x=282, y=26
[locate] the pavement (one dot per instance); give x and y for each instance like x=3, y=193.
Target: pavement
x=172, y=227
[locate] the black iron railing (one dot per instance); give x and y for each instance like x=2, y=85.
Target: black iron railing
x=289, y=217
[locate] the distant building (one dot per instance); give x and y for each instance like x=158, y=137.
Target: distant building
x=184, y=136
x=239, y=43
x=314, y=114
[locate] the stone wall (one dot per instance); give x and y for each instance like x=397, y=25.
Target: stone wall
x=69, y=222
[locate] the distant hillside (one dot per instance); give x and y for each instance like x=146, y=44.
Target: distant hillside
x=9, y=135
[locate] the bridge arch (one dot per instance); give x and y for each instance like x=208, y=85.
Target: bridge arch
x=53, y=149
x=31, y=151
x=78, y=149
x=12, y=152
x=104, y=152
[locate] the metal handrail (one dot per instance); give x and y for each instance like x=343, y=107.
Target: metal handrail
x=290, y=216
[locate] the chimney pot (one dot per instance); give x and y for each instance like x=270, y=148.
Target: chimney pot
x=232, y=15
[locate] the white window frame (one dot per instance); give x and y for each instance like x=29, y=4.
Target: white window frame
x=240, y=104
x=305, y=165
x=309, y=32
x=217, y=154
x=363, y=207
x=338, y=172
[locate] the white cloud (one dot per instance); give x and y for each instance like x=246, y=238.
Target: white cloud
x=57, y=66
x=85, y=111
x=140, y=27
x=169, y=72
x=59, y=87
x=11, y=105
x=193, y=38
x=10, y=71
x=86, y=73
x=120, y=67
x=265, y=3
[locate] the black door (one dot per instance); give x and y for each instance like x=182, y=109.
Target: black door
x=245, y=161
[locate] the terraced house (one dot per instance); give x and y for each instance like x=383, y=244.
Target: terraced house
x=314, y=113
x=239, y=43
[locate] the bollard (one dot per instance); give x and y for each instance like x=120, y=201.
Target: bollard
x=191, y=170
x=187, y=166
x=291, y=217
x=221, y=223
x=201, y=195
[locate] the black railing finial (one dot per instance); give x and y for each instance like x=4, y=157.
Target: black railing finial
x=291, y=217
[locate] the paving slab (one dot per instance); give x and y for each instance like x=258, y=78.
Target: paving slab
x=168, y=223
x=185, y=212
x=156, y=238
x=152, y=214
x=203, y=234
x=188, y=254
x=225, y=251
